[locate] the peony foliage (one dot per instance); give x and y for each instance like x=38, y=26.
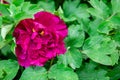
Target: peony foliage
x=59, y=39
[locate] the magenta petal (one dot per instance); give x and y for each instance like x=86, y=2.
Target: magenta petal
x=23, y=40
x=61, y=29
x=22, y=56
x=34, y=34
x=38, y=27
x=25, y=25
x=37, y=57
x=36, y=43
x=61, y=48
x=51, y=53
x=52, y=21
x=46, y=18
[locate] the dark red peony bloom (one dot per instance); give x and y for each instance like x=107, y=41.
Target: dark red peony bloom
x=39, y=39
x=4, y=2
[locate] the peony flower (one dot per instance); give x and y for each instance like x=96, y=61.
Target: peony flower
x=39, y=39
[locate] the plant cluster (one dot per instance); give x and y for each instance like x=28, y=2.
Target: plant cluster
x=92, y=43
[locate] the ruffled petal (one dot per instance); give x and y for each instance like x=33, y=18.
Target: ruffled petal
x=40, y=39
x=47, y=19
x=22, y=56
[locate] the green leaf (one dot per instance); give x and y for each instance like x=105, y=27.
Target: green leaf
x=25, y=6
x=106, y=27
x=116, y=37
x=7, y=20
x=5, y=30
x=73, y=57
x=6, y=50
x=60, y=13
x=0, y=21
x=8, y=69
x=60, y=72
x=13, y=47
x=99, y=10
x=72, y=9
x=105, y=1
x=92, y=27
x=29, y=8
x=14, y=10
x=17, y=2
x=115, y=19
x=47, y=6
x=101, y=49
x=4, y=9
x=81, y=12
x=34, y=8
x=95, y=13
x=37, y=73
x=21, y=16
x=26, y=10
x=91, y=72
x=3, y=43
x=75, y=36
x=115, y=73
x=115, y=6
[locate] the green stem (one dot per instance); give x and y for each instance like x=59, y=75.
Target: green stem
x=51, y=62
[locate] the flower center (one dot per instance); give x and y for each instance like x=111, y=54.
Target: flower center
x=42, y=33
x=33, y=30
